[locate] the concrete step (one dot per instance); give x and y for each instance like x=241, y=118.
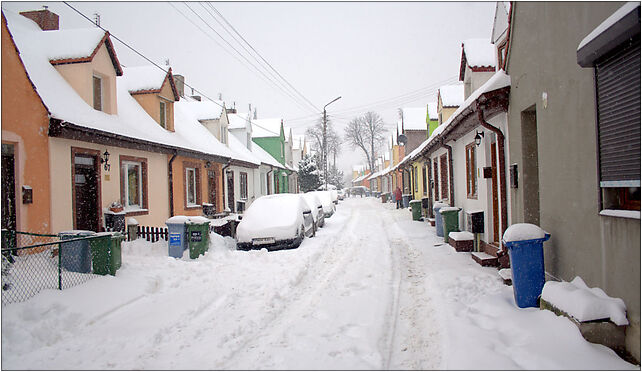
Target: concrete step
x=506, y=275
x=484, y=259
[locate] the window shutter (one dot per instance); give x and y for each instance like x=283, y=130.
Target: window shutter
x=618, y=100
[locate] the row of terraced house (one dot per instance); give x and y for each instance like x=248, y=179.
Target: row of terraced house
x=543, y=128
x=83, y=136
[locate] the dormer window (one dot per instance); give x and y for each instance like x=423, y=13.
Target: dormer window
x=98, y=93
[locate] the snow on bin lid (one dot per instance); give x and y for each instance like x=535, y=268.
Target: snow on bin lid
x=198, y=220
x=449, y=209
x=584, y=303
x=132, y=221
x=178, y=219
x=523, y=231
x=439, y=205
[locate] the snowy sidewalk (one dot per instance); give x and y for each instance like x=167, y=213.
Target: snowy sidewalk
x=370, y=291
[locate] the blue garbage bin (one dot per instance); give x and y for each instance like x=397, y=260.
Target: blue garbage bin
x=527, y=267
x=75, y=256
x=177, y=236
x=405, y=200
x=439, y=222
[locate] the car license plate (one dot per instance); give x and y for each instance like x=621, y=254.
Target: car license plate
x=261, y=241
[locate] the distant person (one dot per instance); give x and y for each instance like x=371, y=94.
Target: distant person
x=398, y=197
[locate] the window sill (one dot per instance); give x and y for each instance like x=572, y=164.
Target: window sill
x=621, y=213
x=136, y=212
x=194, y=206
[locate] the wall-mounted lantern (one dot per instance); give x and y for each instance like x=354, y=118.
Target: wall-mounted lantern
x=208, y=164
x=105, y=160
x=478, y=138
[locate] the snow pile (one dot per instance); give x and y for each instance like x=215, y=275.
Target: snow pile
x=276, y=216
x=584, y=303
x=414, y=118
x=449, y=209
x=523, y=231
x=609, y=22
x=479, y=52
x=452, y=95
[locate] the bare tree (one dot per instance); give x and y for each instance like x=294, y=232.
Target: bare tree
x=333, y=138
x=367, y=133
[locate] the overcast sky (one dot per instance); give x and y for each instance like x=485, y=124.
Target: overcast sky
x=371, y=54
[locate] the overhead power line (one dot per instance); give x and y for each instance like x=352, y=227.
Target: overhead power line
x=154, y=63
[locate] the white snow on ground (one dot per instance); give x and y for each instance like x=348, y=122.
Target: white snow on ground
x=370, y=291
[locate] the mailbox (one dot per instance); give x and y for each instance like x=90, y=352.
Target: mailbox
x=475, y=222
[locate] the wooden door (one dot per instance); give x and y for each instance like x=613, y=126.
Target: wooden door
x=8, y=188
x=230, y=190
x=443, y=160
x=211, y=188
x=493, y=165
x=435, y=172
x=86, y=173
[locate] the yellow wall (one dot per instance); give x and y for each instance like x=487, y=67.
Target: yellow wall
x=178, y=179
x=80, y=77
x=24, y=124
x=61, y=182
x=150, y=102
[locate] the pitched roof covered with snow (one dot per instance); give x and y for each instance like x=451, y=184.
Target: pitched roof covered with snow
x=241, y=152
x=414, y=118
x=238, y=120
x=432, y=111
x=451, y=95
x=266, y=127
x=203, y=110
x=264, y=157
x=66, y=105
x=478, y=54
x=498, y=81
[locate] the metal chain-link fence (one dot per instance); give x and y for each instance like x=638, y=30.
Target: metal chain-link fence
x=35, y=262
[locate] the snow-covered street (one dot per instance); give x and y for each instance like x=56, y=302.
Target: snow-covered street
x=370, y=291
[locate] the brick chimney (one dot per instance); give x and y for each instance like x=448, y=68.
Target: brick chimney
x=46, y=19
x=179, y=81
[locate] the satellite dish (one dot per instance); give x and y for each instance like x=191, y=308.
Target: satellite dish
x=402, y=139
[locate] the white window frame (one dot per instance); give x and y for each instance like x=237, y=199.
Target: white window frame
x=126, y=165
x=187, y=184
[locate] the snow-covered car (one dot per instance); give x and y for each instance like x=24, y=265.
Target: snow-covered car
x=341, y=193
x=326, y=201
x=335, y=196
x=317, y=209
x=274, y=222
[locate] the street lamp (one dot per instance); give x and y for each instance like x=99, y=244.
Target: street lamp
x=325, y=144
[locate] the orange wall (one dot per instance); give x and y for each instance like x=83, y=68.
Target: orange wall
x=178, y=178
x=24, y=124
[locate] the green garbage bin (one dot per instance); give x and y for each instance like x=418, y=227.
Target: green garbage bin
x=450, y=216
x=100, y=246
x=106, y=255
x=416, y=210
x=198, y=236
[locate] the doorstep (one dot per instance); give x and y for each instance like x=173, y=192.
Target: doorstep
x=506, y=275
x=484, y=259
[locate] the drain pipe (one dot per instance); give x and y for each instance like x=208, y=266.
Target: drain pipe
x=451, y=178
x=229, y=162
x=502, y=168
x=268, y=178
x=170, y=173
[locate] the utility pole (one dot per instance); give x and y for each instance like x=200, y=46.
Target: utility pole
x=325, y=145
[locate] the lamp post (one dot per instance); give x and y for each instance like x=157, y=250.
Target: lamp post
x=325, y=144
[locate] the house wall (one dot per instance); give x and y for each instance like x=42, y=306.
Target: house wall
x=178, y=178
x=61, y=182
x=436, y=155
x=24, y=124
x=604, y=251
x=432, y=125
x=446, y=112
x=150, y=102
x=415, y=138
x=251, y=193
x=80, y=77
x=273, y=146
x=474, y=80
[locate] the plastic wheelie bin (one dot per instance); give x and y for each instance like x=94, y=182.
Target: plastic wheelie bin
x=439, y=224
x=176, y=230
x=100, y=247
x=416, y=210
x=75, y=256
x=198, y=236
x=405, y=200
x=526, y=251
x=384, y=197
x=450, y=217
